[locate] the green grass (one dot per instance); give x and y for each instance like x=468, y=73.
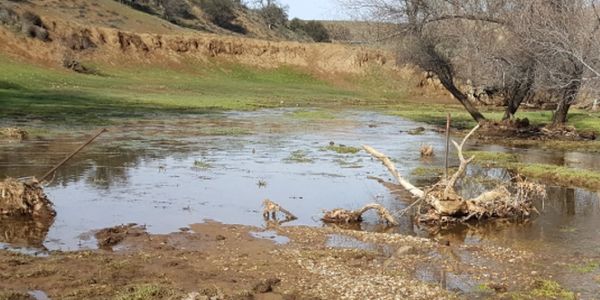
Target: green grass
x=312, y=115
x=586, y=268
x=551, y=290
x=557, y=174
x=435, y=114
x=33, y=92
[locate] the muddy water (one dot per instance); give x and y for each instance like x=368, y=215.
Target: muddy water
x=169, y=172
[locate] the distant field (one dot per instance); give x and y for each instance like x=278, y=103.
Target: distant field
x=30, y=92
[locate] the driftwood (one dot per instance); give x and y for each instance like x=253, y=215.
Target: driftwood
x=426, y=151
x=270, y=210
x=444, y=204
x=344, y=216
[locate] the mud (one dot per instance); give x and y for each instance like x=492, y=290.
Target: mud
x=241, y=266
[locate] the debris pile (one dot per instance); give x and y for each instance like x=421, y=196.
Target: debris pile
x=13, y=133
x=18, y=198
x=443, y=204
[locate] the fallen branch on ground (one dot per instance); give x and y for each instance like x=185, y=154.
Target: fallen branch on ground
x=340, y=215
x=271, y=208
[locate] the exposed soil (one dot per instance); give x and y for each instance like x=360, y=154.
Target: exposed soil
x=227, y=262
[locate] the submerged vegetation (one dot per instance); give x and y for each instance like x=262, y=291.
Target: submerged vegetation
x=342, y=149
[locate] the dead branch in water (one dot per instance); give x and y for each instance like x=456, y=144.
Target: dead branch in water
x=344, y=216
x=426, y=151
x=271, y=208
x=446, y=205
x=89, y=141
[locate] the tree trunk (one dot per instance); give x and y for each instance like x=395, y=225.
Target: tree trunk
x=464, y=100
x=519, y=92
x=569, y=96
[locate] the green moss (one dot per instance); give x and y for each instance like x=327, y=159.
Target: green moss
x=342, y=149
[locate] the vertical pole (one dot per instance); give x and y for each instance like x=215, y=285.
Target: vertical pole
x=448, y=119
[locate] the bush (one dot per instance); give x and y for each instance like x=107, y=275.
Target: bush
x=221, y=13
x=315, y=29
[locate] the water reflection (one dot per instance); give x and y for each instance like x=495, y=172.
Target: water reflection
x=143, y=172
x=24, y=232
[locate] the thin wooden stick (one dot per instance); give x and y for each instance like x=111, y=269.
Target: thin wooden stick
x=72, y=154
x=448, y=119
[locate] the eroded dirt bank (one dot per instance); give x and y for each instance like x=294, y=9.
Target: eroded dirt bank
x=242, y=262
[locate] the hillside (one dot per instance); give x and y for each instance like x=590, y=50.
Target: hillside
x=59, y=61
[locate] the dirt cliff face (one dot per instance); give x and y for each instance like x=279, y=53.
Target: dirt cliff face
x=68, y=38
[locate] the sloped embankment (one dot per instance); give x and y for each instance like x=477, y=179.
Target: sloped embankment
x=70, y=39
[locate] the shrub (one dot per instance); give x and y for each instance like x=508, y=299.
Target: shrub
x=315, y=29
x=221, y=13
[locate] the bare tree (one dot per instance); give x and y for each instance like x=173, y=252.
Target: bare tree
x=518, y=49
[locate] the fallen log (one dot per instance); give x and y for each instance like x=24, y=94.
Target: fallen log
x=343, y=216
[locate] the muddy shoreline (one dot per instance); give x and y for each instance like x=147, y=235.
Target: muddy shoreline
x=230, y=262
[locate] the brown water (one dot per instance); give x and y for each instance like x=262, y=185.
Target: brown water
x=144, y=172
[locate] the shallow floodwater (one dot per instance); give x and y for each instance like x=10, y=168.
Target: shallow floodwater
x=169, y=172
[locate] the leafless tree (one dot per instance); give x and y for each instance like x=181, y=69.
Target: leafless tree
x=514, y=48
x=562, y=35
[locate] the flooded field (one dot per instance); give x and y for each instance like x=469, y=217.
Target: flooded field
x=170, y=172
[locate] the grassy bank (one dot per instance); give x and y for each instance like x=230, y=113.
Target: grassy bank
x=557, y=174
x=55, y=94
x=435, y=114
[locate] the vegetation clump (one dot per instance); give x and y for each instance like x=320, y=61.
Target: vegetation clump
x=299, y=156
x=342, y=149
x=314, y=29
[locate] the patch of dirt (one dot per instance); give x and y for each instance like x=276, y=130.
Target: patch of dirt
x=197, y=264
